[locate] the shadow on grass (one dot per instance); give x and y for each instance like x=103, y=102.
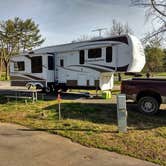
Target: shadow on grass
x=107, y=114
x=66, y=96
x=68, y=129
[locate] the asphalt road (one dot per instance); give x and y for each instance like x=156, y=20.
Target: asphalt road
x=20, y=146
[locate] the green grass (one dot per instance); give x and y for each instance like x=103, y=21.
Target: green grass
x=154, y=74
x=94, y=125
x=2, y=78
x=160, y=74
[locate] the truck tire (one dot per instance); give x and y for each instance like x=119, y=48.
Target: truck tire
x=148, y=105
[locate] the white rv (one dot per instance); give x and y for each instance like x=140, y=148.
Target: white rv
x=78, y=64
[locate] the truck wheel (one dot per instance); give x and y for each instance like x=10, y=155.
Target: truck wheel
x=148, y=105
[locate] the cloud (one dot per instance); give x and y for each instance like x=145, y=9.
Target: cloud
x=65, y=20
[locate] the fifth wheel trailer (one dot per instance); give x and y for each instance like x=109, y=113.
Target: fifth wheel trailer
x=87, y=64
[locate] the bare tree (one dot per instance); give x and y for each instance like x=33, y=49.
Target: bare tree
x=156, y=11
x=82, y=38
x=155, y=42
x=119, y=28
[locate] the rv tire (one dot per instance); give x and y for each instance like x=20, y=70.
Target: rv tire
x=28, y=86
x=48, y=90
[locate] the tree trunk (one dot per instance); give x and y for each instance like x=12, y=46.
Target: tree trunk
x=119, y=77
x=0, y=67
x=6, y=70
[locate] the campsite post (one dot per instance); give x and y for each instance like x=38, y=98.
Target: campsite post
x=122, y=113
x=59, y=103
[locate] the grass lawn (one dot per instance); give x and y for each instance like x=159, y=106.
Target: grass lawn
x=94, y=125
x=2, y=78
x=160, y=74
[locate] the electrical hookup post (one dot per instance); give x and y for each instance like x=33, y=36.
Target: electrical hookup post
x=59, y=104
x=122, y=113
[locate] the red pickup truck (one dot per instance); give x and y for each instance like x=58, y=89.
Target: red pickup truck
x=148, y=93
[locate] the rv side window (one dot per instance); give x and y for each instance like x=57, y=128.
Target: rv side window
x=61, y=63
x=82, y=57
x=50, y=63
x=109, y=54
x=94, y=53
x=19, y=66
x=36, y=64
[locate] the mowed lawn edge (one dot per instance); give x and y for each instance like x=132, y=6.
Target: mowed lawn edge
x=94, y=125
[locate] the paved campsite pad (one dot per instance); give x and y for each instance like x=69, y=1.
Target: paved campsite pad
x=22, y=146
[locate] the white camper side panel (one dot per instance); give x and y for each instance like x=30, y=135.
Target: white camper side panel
x=27, y=63
x=18, y=78
x=71, y=73
x=101, y=64
x=123, y=55
x=38, y=75
x=21, y=78
x=48, y=75
x=138, y=57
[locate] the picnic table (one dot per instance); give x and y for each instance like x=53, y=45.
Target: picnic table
x=24, y=94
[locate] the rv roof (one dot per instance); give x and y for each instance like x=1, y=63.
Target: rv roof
x=72, y=46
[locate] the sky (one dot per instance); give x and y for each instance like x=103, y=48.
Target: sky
x=62, y=21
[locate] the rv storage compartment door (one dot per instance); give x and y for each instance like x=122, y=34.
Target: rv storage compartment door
x=82, y=80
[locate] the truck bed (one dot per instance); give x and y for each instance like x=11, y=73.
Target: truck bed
x=145, y=90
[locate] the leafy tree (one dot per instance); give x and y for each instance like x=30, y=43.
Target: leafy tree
x=164, y=60
x=1, y=63
x=29, y=35
x=17, y=35
x=7, y=42
x=154, y=59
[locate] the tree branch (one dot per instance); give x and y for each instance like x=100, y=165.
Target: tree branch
x=155, y=8
x=149, y=4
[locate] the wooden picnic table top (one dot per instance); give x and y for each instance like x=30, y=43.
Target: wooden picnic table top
x=26, y=90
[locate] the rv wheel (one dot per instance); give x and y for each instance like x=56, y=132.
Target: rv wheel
x=47, y=90
x=64, y=89
x=38, y=87
x=28, y=86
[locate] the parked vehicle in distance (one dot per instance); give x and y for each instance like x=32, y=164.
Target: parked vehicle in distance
x=148, y=93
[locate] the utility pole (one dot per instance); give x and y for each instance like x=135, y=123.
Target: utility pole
x=99, y=30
